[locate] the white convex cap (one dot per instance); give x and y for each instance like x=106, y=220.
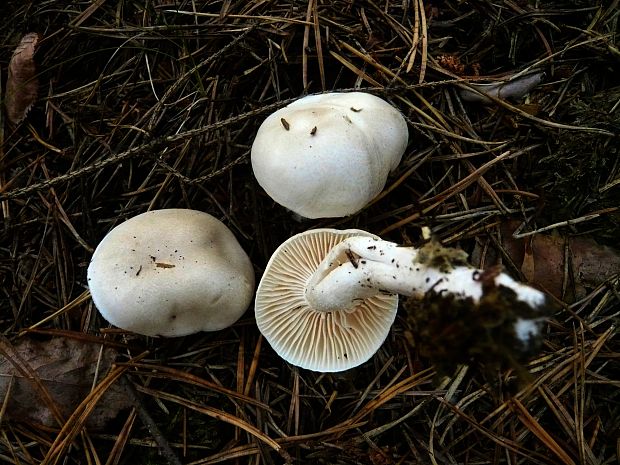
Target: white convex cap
x=304, y=335
x=171, y=272
x=329, y=155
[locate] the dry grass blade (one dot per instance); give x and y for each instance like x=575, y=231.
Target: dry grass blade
x=389, y=393
x=150, y=424
x=534, y=426
x=6, y=398
x=504, y=443
x=182, y=376
x=318, y=44
x=149, y=147
x=360, y=74
x=252, y=449
x=123, y=437
x=420, y=31
x=76, y=421
x=453, y=190
x=70, y=306
x=305, y=46
x=22, y=85
x=217, y=414
x=28, y=373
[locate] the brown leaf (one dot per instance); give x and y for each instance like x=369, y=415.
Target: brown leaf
x=22, y=84
x=564, y=266
x=528, y=266
x=66, y=368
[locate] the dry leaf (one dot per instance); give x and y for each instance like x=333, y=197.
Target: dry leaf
x=528, y=265
x=66, y=367
x=542, y=259
x=22, y=84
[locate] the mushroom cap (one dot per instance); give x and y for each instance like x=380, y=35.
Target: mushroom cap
x=328, y=155
x=171, y=272
x=303, y=336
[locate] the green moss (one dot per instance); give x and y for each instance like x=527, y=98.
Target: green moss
x=435, y=255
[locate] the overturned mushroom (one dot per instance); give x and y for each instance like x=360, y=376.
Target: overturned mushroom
x=327, y=340
x=328, y=155
x=171, y=272
x=326, y=293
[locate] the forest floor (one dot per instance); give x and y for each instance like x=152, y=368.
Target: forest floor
x=151, y=104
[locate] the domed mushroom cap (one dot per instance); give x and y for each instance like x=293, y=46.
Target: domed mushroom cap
x=304, y=336
x=328, y=155
x=171, y=272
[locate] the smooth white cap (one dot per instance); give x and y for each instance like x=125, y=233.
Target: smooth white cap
x=171, y=272
x=304, y=336
x=329, y=155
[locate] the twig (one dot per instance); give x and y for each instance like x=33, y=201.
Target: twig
x=148, y=421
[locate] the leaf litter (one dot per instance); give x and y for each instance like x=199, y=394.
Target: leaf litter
x=154, y=104
x=68, y=370
x=568, y=267
x=22, y=85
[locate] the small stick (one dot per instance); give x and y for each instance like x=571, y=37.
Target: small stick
x=148, y=421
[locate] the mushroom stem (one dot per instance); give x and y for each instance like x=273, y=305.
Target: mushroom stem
x=361, y=267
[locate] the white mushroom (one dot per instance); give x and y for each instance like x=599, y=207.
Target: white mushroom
x=312, y=337
x=321, y=280
x=171, y=272
x=329, y=155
